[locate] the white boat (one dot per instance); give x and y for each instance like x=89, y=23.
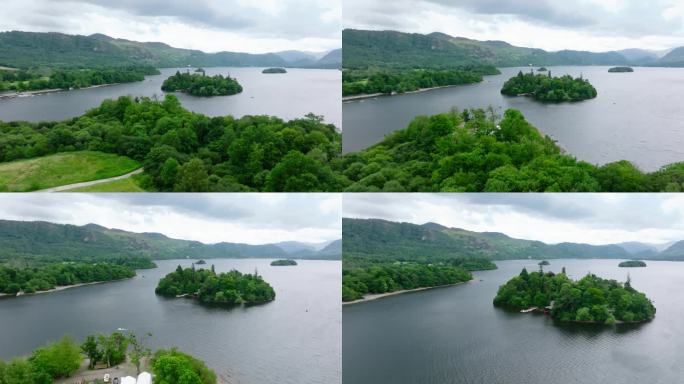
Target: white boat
x=528, y=310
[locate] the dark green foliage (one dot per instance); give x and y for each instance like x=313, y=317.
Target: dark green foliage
x=36, y=279
x=274, y=70
x=32, y=80
x=184, y=151
x=632, y=264
x=356, y=82
x=590, y=299
x=201, y=85
x=383, y=278
x=174, y=367
x=549, y=89
x=45, y=365
x=477, y=151
x=283, y=263
x=544, y=262
x=621, y=69
x=229, y=288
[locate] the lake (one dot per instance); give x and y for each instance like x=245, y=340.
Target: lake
x=636, y=116
x=455, y=334
x=294, y=339
x=288, y=96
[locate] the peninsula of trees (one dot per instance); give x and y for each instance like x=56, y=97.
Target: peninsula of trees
x=632, y=264
x=63, y=359
x=230, y=288
x=283, y=263
x=274, y=70
x=477, y=150
x=391, y=81
x=385, y=278
x=15, y=281
x=590, y=299
x=549, y=89
x=621, y=69
x=200, y=85
x=544, y=262
x=190, y=152
x=41, y=79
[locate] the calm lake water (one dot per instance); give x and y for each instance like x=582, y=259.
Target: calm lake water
x=637, y=116
x=455, y=335
x=294, y=339
x=289, y=96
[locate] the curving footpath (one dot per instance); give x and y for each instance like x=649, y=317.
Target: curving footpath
x=68, y=187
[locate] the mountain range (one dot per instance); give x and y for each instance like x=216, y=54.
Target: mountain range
x=30, y=49
x=362, y=48
x=386, y=240
x=92, y=242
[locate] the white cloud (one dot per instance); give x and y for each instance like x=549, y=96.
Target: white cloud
x=257, y=218
x=551, y=218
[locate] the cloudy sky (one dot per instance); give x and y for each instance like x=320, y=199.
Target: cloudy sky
x=209, y=25
x=210, y=218
x=595, y=25
x=551, y=218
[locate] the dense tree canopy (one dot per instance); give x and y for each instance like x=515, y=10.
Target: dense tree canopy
x=390, y=277
x=621, y=69
x=185, y=151
x=274, y=70
x=208, y=287
x=283, y=263
x=201, y=85
x=590, y=299
x=550, y=89
x=32, y=80
x=386, y=81
x=476, y=150
x=632, y=264
x=174, y=367
x=54, y=361
x=46, y=277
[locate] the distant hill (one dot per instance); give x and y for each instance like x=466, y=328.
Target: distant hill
x=380, y=239
x=363, y=48
x=30, y=49
x=634, y=247
x=48, y=241
x=673, y=252
x=332, y=60
x=332, y=251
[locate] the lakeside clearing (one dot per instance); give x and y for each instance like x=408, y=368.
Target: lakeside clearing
x=63, y=288
x=349, y=99
x=377, y=296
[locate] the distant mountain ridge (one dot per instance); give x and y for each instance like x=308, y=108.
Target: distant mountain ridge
x=29, y=49
x=363, y=48
x=381, y=239
x=38, y=239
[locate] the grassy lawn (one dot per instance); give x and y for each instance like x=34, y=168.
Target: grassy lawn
x=126, y=185
x=62, y=169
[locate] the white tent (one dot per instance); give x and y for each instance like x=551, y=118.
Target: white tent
x=144, y=378
x=127, y=380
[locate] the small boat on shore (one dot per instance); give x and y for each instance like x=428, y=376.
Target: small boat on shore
x=528, y=310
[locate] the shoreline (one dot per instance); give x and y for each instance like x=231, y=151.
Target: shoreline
x=14, y=95
x=349, y=99
x=376, y=296
x=63, y=288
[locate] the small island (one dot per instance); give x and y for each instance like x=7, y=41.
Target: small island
x=632, y=264
x=621, y=69
x=544, y=262
x=274, y=70
x=200, y=262
x=200, y=85
x=208, y=287
x=549, y=89
x=588, y=300
x=283, y=263
x=542, y=69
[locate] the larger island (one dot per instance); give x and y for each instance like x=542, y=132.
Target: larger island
x=230, y=288
x=549, y=89
x=588, y=300
x=200, y=85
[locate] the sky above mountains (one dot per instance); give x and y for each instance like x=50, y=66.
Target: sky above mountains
x=592, y=25
x=258, y=218
x=603, y=218
x=208, y=25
